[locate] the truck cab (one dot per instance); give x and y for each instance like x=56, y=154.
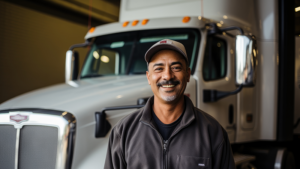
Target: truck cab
x=69, y=124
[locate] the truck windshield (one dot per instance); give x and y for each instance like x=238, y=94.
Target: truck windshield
x=123, y=53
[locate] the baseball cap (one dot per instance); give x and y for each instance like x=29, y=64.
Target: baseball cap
x=166, y=44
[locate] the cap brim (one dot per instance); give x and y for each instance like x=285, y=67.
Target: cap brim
x=159, y=47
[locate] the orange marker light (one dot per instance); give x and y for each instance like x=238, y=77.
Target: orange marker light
x=135, y=22
x=186, y=19
x=92, y=30
x=125, y=23
x=145, y=21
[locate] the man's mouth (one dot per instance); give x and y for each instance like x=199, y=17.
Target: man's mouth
x=168, y=84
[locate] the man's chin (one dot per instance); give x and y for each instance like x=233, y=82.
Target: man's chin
x=169, y=91
x=169, y=98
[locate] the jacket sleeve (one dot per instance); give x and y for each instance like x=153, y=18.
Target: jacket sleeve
x=114, y=156
x=222, y=156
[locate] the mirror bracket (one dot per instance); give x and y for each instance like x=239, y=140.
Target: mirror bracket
x=215, y=95
x=85, y=44
x=216, y=30
x=72, y=64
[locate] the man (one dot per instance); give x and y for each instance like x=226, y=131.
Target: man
x=168, y=132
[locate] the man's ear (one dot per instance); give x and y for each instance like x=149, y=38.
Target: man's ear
x=148, y=75
x=188, y=74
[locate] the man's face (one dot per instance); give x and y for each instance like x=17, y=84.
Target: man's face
x=168, y=75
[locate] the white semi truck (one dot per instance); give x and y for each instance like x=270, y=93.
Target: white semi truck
x=243, y=74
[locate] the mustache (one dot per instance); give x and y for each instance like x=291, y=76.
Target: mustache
x=168, y=82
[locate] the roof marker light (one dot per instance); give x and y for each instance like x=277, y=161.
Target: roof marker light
x=92, y=30
x=135, y=22
x=186, y=19
x=125, y=23
x=145, y=21
x=225, y=16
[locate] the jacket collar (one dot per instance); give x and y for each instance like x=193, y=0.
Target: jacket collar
x=188, y=116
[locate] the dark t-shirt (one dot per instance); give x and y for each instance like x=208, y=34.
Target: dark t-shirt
x=166, y=130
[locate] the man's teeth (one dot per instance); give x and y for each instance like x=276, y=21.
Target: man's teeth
x=168, y=85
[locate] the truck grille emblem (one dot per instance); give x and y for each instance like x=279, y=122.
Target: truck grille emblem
x=18, y=118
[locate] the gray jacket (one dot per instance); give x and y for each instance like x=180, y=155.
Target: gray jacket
x=198, y=141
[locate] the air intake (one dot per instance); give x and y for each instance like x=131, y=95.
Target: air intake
x=36, y=138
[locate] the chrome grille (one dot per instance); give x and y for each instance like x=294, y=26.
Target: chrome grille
x=7, y=146
x=39, y=140
x=38, y=147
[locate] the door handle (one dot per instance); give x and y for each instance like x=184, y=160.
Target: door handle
x=231, y=118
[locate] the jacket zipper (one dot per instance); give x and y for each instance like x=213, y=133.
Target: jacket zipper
x=164, y=145
x=165, y=154
x=165, y=142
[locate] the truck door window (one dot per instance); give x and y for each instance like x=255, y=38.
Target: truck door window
x=215, y=59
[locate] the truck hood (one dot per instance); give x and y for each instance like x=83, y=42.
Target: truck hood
x=90, y=95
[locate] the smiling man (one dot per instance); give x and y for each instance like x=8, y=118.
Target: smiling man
x=169, y=132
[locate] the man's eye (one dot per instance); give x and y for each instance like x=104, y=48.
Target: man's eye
x=176, y=68
x=158, y=69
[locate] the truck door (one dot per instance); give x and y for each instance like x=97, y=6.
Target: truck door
x=216, y=71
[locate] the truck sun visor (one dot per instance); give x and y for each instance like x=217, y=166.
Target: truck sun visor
x=158, y=38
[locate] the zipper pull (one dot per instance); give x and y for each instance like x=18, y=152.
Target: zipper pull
x=165, y=144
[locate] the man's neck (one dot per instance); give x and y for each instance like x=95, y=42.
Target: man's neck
x=168, y=112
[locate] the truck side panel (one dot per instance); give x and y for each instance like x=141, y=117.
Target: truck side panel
x=267, y=72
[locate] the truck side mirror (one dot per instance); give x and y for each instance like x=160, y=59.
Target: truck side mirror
x=245, y=64
x=245, y=60
x=72, y=66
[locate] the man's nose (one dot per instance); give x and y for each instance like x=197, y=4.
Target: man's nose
x=168, y=74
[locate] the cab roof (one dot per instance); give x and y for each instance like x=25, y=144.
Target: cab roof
x=159, y=23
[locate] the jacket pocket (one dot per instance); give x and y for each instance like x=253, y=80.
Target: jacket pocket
x=191, y=162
